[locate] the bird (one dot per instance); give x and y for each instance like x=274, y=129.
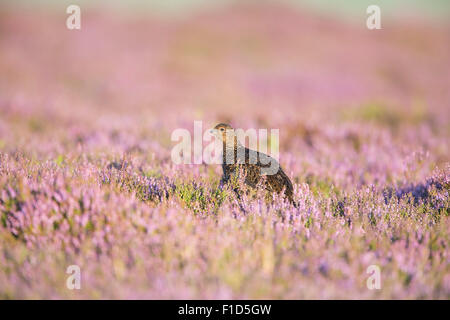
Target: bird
x=257, y=169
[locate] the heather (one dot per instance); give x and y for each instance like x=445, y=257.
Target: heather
x=86, y=176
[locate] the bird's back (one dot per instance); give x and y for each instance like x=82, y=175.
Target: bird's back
x=249, y=163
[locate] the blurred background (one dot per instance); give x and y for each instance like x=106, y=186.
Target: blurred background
x=351, y=8
x=144, y=68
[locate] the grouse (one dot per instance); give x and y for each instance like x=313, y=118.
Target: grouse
x=257, y=168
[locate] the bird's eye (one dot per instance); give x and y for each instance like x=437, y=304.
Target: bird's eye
x=221, y=129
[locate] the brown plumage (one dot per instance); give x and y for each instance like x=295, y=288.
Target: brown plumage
x=266, y=173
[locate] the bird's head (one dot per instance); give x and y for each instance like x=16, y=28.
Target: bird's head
x=226, y=133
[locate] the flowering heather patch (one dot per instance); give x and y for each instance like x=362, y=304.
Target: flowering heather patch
x=86, y=176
